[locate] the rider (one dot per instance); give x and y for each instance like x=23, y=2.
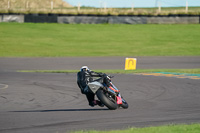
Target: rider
x=84, y=76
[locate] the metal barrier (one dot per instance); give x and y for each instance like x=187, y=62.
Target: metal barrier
x=84, y=19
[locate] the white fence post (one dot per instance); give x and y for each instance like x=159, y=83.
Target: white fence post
x=132, y=9
x=51, y=5
x=79, y=5
x=186, y=7
x=8, y=4
x=27, y=4
x=105, y=6
x=159, y=7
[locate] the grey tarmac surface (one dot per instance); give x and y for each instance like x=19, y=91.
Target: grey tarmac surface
x=74, y=63
x=52, y=102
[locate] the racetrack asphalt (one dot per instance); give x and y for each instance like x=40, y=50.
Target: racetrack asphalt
x=52, y=102
x=74, y=63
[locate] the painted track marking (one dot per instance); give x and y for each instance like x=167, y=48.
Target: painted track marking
x=4, y=86
x=170, y=75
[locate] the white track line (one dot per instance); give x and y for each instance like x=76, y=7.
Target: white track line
x=5, y=86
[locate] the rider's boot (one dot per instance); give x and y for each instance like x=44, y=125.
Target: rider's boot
x=97, y=102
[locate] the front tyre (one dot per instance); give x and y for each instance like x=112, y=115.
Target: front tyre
x=124, y=104
x=107, y=99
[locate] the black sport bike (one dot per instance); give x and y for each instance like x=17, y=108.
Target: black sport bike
x=107, y=92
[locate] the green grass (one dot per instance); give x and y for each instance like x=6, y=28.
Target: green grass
x=61, y=40
x=186, y=71
x=193, y=128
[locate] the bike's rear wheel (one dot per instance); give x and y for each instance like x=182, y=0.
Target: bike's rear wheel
x=107, y=99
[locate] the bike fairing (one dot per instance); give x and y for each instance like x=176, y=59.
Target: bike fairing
x=114, y=89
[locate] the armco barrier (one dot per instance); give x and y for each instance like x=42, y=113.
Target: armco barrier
x=13, y=18
x=102, y=19
x=35, y=18
x=84, y=19
x=1, y=18
x=127, y=20
x=173, y=20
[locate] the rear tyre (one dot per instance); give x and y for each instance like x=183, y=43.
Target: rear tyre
x=107, y=99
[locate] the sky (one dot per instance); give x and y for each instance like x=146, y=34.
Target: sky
x=135, y=3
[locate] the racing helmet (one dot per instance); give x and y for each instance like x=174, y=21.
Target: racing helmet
x=85, y=68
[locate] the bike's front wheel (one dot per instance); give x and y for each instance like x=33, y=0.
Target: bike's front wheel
x=124, y=104
x=107, y=99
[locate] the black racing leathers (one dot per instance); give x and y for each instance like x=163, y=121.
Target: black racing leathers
x=83, y=78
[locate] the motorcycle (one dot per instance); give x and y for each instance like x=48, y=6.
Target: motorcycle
x=107, y=92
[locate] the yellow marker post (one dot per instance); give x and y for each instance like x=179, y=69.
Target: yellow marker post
x=130, y=63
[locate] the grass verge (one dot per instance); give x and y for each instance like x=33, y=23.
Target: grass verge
x=61, y=40
x=43, y=7
x=193, y=128
x=120, y=71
